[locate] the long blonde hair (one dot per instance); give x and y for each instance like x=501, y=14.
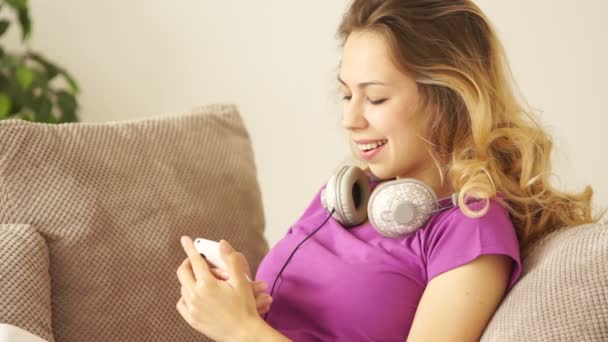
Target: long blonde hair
x=481, y=135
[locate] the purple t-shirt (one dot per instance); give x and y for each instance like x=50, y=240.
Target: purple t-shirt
x=357, y=285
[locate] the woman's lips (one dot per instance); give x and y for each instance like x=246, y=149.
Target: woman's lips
x=370, y=154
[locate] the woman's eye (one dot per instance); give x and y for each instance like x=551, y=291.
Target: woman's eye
x=376, y=102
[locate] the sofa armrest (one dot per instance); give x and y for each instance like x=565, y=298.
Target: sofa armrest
x=25, y=285
x=562, y=294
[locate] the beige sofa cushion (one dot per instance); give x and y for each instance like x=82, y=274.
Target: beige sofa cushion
x=25, y=284
x=111, y=201
x=563, y=292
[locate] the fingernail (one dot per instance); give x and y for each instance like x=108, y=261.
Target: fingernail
x=225, y=246
x=183, y=240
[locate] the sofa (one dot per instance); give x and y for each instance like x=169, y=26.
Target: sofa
x=91, y=215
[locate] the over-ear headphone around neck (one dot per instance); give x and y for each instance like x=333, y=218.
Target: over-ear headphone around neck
x=395, y=208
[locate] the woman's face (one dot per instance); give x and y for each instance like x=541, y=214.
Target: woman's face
x=380, y=107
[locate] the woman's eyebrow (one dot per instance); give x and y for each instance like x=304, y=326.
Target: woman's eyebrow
x=364, y=84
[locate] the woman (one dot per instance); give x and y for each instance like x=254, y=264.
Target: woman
x=426, y=96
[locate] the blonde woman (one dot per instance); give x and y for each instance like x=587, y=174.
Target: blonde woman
x=427, y=96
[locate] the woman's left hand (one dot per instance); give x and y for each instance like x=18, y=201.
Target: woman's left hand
x=220, y=309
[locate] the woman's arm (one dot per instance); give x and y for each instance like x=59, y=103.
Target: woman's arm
x=259, y=330
x=458, y=304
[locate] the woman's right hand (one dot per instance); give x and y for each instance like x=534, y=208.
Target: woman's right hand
x=262, y=299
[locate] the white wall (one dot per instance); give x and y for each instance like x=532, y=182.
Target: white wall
x=277, y=60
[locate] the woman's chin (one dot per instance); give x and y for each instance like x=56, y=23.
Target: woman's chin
x=381, y=171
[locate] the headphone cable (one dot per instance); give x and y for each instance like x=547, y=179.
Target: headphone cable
x=291, y=255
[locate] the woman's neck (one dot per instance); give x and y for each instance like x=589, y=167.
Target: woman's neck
x=430, y=176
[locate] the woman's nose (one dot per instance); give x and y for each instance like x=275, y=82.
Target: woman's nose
x=352, y=117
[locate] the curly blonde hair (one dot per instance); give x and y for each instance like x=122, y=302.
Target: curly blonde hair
x=481, y=135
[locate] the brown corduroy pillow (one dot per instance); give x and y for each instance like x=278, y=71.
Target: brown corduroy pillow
x=563, y=292
x=111, y=201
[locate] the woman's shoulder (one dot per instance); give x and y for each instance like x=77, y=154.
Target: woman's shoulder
x=453, y=238
x=492, y=227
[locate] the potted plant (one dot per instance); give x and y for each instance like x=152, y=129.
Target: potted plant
x=32, y=87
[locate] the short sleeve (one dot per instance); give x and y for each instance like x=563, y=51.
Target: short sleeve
x=454, y=239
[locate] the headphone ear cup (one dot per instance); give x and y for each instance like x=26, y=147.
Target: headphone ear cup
x=328, y=195
x=347, y=192
x=401, y=206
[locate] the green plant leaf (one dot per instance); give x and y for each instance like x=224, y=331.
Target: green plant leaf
x=4, y=24
x=41, y=81
x=26, y=90
x=52, y=70
x=71, y=81
x=28, y=116
x=68, y=105
x=8, y=61
x=66, y=101
x=4, y=83
x=25, y=76
x=17, y=4
x=24, y=17
x=44, y=107
x=26, y=23
x=5, y=105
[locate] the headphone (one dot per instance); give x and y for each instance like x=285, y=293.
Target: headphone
x=395, y=208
